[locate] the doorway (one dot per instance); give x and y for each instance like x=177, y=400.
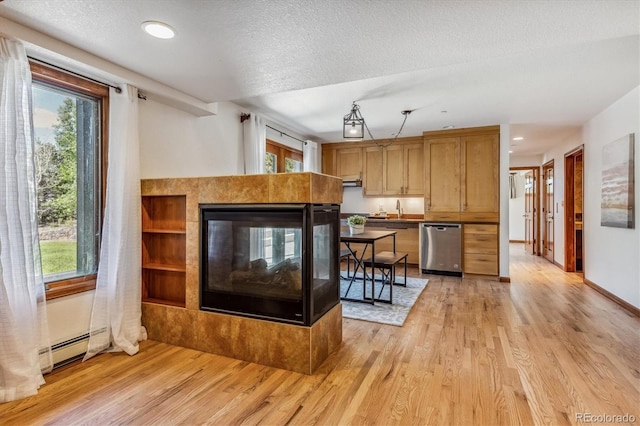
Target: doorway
x=547, y=238
x=530, y=215
x=573, y=202
x=531, y=208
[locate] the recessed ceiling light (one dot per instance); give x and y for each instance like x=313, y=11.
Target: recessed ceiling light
x=510, y=152
x=158, y=29
x=518, y=138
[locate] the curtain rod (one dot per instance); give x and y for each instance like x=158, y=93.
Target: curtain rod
x=117, y=89
x=244, y=117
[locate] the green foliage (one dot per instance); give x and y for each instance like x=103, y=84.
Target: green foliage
x=356, y=220
x=57, y=170
x=270, y=163
x=58, y=256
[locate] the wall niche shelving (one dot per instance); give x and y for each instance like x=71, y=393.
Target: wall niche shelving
x=164, y=232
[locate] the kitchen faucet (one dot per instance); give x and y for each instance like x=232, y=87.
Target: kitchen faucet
x=398, y=208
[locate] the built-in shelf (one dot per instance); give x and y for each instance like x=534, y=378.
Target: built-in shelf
x=164, y=249
x=163, y=231
x=163, y=267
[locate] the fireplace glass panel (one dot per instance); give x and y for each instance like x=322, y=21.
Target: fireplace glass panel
x=253, y=260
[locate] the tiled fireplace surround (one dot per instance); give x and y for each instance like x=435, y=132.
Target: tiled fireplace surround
x=291, y=347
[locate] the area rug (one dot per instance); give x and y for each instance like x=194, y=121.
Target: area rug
x=395, y=314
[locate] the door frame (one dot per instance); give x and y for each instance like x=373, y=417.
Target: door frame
x=569, y=209
x=544, y=198
x=536, y=204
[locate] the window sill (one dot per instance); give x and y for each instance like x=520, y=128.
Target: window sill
x=72, y=286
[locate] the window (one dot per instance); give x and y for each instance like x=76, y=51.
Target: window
x=69, y=116
x=282, y=159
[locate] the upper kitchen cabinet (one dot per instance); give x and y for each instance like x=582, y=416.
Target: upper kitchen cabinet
x=329, y=160
x=442, y=181
x=462, y=179
x=349, y=163
x=403, y=169
x=373, y=172
x=343, y=162
x=393, y=170
x=479, y=167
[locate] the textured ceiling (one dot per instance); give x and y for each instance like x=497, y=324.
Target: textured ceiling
x=302, y=63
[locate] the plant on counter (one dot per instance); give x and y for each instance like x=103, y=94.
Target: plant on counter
x=356, y=220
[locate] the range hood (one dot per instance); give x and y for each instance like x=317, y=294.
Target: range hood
x=351, y=182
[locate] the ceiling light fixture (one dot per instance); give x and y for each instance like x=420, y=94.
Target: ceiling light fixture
x=353, y=125
x=158, y=29
x=518, y=138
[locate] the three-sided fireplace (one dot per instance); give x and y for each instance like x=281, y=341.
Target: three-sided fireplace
x=270, y=261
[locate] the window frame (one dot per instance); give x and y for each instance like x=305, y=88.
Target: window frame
x=44, y=74
x=281, y=152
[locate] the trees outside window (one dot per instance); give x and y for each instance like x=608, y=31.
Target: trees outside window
x=282, y=159
x=69, y=116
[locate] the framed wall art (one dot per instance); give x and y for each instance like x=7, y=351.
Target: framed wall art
x=617, y=204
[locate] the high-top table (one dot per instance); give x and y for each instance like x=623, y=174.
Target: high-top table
x=368, y=239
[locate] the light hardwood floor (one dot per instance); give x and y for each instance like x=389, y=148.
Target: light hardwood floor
x=540, y=350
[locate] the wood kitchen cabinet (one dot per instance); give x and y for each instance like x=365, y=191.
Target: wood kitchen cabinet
x=480, y=249
x=462, y=180
x=442, y=182
x=407, y=238
x=396, y=169
x=403, y=169
x=373, y=174
x=349, y=163
x=480, y=186
x=343, y=162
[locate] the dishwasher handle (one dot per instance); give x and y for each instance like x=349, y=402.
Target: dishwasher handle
x=441, y=226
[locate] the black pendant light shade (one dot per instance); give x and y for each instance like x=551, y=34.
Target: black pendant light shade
x=353, y=124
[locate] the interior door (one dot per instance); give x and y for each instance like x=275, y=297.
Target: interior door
x=573, y=200
x=548, y=211
x=529, y=212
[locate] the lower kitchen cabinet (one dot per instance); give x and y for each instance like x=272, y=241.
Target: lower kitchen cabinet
x=407, y=239
x=480, y=249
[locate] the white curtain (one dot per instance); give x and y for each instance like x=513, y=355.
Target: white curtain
x=255, y=144
x=116, y=316
x=25, y=352
x=310, y=157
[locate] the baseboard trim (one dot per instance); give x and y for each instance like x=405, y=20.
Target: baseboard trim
x=516, y=241
x=628, y=306
x=504, y=279
x=559, y=265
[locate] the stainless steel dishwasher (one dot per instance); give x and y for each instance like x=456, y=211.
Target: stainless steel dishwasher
x=441, y=248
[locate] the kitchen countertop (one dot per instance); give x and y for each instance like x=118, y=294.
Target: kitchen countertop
x=414, y=218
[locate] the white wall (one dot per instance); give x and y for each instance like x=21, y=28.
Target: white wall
x=505, y=140
x=174, y=143
x=516, y=209
x=525, y=160
x=354, y=202
x=69, y=317
x=612, y=255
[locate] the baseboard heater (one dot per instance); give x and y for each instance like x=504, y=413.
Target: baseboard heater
x=71, y=350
